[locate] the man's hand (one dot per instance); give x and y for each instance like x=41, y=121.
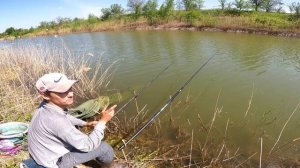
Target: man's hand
x=91, y=124
x=107, y=114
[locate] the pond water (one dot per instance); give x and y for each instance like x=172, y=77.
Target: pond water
x=253, y=81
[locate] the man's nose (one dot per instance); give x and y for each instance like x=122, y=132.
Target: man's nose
x=70, y=94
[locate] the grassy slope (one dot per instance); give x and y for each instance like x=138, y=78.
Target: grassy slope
x=227, y=20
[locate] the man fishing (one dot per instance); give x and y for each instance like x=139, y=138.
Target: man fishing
x=53, y=140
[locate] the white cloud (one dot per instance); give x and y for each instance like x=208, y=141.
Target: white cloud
x=84, y=7
x=90, y=9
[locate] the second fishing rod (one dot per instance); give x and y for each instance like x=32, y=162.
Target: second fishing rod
x=168, y=103
x=142, y=89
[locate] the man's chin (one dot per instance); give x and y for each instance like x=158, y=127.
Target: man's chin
x=69, y=103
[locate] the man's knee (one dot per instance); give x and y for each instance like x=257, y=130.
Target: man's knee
x=107, y=153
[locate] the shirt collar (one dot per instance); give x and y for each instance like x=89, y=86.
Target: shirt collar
x=55, y=107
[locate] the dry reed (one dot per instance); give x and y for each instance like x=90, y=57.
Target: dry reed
x=21, y=66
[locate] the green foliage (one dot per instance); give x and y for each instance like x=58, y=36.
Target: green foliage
x=271, y=5
x=106, y=13
x=222, y=4
x=295, y=8
x=150, y=11
x=76, y=23
x=192, y=16
x=47, y=25
x=199, y=3
x=189, y=5
x=271, y=20
x=136, y=6
x=10, y=30
x=61, y=20
x=115, y=11
x=256, y=4
x=179, y=5
x=192, y=4
x=150, y=8
x=92, y=19
x=55, y=23
x=16, y=32
x=233, y=12
x=240, y=4
x=166, y=9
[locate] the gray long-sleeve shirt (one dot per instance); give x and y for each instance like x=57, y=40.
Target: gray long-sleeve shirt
x=52, y=134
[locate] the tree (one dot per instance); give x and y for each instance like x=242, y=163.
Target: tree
x=240, y=4
x=256, y=4
x=199, y=3
x=179, y=4
x=106, y=13
x=167, y=8
x=150, y=7
x=15, y=32
x=150, y=10
x=189, y=5
x=92, y=18
x=270, y=5
x=48, y=25
x=280, y=9
x=169, y=5
x=229, y=5
x=10, y=30
x=135, y=6
x=222, y=4
x=295, y=8
x=116, y=10
x=43, y=24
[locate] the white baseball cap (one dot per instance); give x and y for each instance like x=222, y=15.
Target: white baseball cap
x=54, y=82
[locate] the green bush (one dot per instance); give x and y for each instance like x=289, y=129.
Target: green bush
x=192, y=16
x=233, y=12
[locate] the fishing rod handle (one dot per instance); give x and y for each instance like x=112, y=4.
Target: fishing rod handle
x=146, y=125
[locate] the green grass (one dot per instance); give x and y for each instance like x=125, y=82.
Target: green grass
x=229, y=19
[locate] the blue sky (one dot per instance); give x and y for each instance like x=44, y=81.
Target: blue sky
x=29, y=13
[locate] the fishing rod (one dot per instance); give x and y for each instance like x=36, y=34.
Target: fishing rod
x=168, y=103
x=141, y=90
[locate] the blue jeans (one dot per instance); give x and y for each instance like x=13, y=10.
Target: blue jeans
x=104, y=154
x=30, y=163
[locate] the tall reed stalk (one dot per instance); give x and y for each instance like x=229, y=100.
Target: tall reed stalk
x=21, y=66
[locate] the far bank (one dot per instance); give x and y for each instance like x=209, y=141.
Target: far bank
x=278, y=24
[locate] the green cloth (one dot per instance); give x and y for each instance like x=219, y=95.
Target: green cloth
x=89, y=108
x=94, y=106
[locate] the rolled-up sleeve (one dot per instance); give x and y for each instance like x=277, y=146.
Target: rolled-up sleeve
x=79, y=140
x=75, y=121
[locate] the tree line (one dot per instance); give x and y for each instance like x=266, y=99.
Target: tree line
x=151, y=7
x=152, y=11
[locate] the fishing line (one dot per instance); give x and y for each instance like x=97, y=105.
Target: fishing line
x=141, y=90
x=168, y=103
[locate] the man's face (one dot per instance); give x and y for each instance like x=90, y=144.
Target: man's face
x=62, y=100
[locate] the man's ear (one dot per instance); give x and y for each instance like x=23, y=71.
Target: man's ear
x=45, y=96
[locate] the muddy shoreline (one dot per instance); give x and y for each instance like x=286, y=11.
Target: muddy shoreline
x=282, y=33
x=169, y=26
